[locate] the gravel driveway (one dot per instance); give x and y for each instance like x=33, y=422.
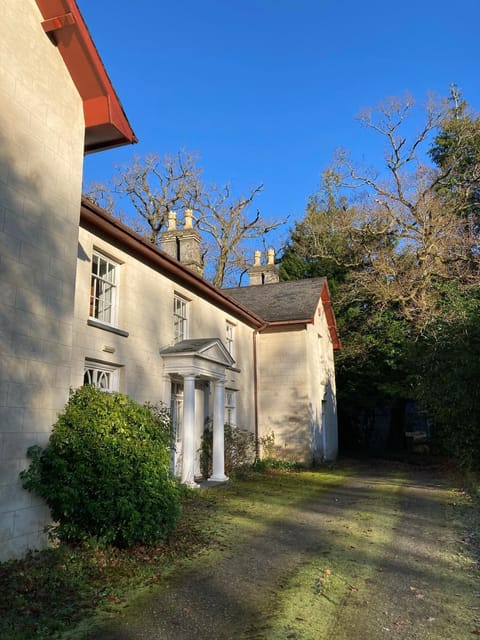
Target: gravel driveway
x=386, y=554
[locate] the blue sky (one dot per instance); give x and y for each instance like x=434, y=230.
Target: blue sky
x=266, y=90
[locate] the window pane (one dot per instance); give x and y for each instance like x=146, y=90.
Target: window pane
x=230, y=408
x=179, y=319
x=103, y=380
x=103, y=289
x=102, y=376
x=229, y=334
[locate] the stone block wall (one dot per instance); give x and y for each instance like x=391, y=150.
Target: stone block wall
x=41, y=157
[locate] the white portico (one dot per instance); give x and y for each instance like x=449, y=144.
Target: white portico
x=200, y=360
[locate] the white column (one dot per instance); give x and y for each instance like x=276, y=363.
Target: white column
x=188, y=449
x=218, y=463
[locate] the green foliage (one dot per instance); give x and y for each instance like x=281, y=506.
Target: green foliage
x=239, y=449
x=321, y=244
x=401, y=253
x=106, y=470
x=264, y=464
x=448, y=388
x=456, y=151
x=267, y=444
x=373, y=365
x=47, y=593
x=269, y=459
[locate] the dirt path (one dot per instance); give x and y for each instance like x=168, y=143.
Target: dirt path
x=384, y=555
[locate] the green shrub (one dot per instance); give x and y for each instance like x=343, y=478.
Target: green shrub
x=267, y=445
x=239, y=449
x=264, y=464
x=106, y=470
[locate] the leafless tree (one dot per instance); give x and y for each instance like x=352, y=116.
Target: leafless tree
x=153, y=186
x=227, y=225
x=410, y=238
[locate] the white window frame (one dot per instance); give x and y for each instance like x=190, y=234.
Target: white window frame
x=230, y=337
x=104, y=290
x=176, y=410
x=231, y=407
x=180, y=318
x=103, y=376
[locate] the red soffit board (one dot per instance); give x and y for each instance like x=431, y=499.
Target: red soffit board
x=330, y=317
x=106, y=124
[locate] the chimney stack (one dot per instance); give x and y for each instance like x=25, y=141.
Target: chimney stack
x=264, y=273
x=183, y=244
x=172, y=221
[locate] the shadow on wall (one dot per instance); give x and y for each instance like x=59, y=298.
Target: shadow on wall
x=37, y=273
x=324, y=428
x=292, y=428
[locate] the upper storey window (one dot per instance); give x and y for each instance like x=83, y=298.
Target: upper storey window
x=180, y=319
x=104, y=289
x=229, y=337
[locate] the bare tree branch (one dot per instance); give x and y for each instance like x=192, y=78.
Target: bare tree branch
x=153, y=186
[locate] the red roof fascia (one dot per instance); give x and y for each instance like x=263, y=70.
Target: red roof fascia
x=330, y=316
x=113, y=229
x=106, y=124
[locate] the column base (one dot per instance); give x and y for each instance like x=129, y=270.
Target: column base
x=222, y=478
x=192, y=485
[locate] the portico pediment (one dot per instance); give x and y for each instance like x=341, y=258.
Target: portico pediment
x=205, y=356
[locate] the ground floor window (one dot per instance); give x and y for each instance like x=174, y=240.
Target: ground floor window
x=230, y=407
x=103, y=376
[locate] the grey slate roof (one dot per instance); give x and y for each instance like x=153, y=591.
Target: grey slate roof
x=193, y=345
x=281, y=301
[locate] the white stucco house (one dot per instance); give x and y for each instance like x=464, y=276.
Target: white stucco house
x=87, y=300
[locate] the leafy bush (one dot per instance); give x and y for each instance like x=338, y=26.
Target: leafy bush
x=239, y=449
x=106, y=470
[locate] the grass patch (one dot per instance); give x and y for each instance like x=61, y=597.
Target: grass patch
x=310, y=602
x=347, y=552
x=53, y=591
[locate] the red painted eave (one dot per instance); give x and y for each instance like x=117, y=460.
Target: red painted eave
x=115, y=231
x=330, y=316
x=106, y=124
